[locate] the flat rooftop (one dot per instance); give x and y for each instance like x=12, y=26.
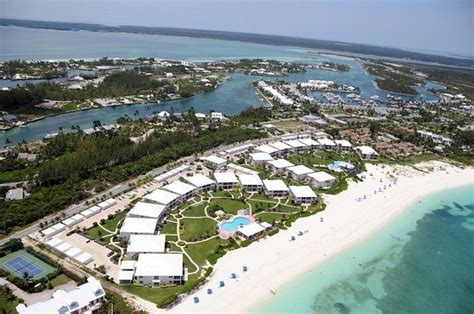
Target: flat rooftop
x=225, y=177
x=302, y=191
x=275, y=185
x=139, y=225
x=159, y=265
x=199, y=180
x=147, y=243
x=147, y=210
x=250, y=179
x=321, y=176
x=300, y=170
x=179, y=187
x=161, y=197
x=280, y=163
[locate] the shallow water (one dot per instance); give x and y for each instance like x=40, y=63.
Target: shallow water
x=419, y=263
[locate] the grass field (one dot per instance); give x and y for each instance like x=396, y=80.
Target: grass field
x=228, y=205
x=195, y=229
x=47, y=269
x=195, y=211
x=8, y=301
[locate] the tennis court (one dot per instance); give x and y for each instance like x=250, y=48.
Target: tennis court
x=20, y=262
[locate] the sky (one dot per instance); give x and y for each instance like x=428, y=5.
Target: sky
x=420, y=25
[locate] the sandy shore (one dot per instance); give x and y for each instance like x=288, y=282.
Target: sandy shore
x=274, y=261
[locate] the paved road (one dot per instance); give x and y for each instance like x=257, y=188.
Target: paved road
x=73, y=209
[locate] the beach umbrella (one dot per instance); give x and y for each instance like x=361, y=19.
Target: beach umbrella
x=233, y=275
x=196, y=300
x=300, y=233
x=293, y=238
x=209, y=291
x=244, y=268
x=221, y=284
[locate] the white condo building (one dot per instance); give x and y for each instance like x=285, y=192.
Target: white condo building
x=321, y=179
x=275, y=188
x=201, y=182
x=226, y=180
x=303, y=194
x=251, y=182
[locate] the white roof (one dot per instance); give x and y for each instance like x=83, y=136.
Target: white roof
x=126, y=275
x=179, y=187
x=54, y=242
x=74, y=252
x=128, y=265
x=63, y=247
x=295, y=143
x=84, y=258
x=147, y=210
x=300, y=169
x=199, y=180
x=67, y=302
x=321, y=176
x=251, y=229
x=266, y=149
x=107, y=203
x=308, y=141
x=214, y=159
x=261, y=157
x=78, y=217
x=343, y=143
x=280, y=145
x=225, y=177
x=302, y=191
x=280, y=163
x=146, y=243
x=366, y=150
x=241, y=169
x=159, y=265
x=275, y=185
x=69, y=222
x=139, y=225
x=161, y=197
x=326, y=142
x=250, y=179
x=95, y=209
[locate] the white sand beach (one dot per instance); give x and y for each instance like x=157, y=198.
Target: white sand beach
x=276, y=260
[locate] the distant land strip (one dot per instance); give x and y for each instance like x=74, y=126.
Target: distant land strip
x=247, y=37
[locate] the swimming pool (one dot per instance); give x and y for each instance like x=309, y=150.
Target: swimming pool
x=235, y=224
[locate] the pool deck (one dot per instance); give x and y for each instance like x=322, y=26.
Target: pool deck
x=224, y=234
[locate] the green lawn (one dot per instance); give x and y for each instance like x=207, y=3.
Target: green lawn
x=60, y=280
x=8, y=301
x=228, y=205
x=197, y=229
x=200, y=252
x=168, y=228
x=269, y=217
x=110, y=224
x=259, y=205
x=222, y=194
x=195, y=211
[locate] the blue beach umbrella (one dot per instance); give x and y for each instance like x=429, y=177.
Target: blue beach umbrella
x=221, y=284
x=196, y=300
x=245, y=268
x=209, y=291
x=233, y=275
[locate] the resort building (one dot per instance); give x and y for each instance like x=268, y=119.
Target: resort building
x=158, y=269
x=138, y=226
x=303, y=194
x=296, y=146
x=281, y=147
x=299, y=172
x=214, y=162
x=253, y=230
x=201, y=182
x=241, y=169
x=107, y=203
x=146, y=244
x=91, y=211
x=85, y=298
x=147, y=210
x=126, y=273
x=251, y=183
x=278, y=166
x=327, y=144
x=321, y=179
x=309, y=142
x=366, y=153
x=166, y=198
x=260, y=158
x=267, y=149
x=55, y=229
x=343, y=146
x=275, y=188
x=226, y=180
x=185, y=191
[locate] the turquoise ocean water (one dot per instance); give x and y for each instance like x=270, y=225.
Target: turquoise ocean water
x=422, y=262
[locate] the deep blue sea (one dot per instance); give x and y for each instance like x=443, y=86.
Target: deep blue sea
x=421, y=263
x=230, y=98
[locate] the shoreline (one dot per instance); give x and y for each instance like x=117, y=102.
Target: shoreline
x=272, y=261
